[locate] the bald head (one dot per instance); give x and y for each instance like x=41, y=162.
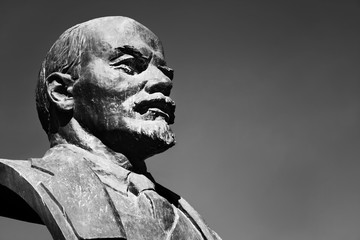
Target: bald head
x=119, y=31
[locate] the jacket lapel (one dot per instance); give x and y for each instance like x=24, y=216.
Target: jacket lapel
x=81, y=197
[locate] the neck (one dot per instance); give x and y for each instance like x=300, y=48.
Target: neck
x=76, y=135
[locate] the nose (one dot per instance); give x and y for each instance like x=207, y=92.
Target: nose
x=158, y=82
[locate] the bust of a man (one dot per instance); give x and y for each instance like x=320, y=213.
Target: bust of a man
x=103, y=100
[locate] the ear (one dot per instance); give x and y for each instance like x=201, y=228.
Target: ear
x=59, y=89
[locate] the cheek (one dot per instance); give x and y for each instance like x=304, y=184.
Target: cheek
x=102, y=74
x=98, y=74
x=109, y=81
x=98, y=108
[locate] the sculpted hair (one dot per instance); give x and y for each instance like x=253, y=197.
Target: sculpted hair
x=64, y=57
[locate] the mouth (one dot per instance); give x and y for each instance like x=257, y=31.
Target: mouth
x=162, y=107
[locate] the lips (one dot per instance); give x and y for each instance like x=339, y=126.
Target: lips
x=163, y=107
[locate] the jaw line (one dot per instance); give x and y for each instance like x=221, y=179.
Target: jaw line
x=155, y=129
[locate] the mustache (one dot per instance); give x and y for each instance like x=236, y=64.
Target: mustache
x=157, y=103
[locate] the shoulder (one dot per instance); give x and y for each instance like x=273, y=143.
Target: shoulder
x=7, y=166
x=14, y=172
x=61, y=188
x=18, y=182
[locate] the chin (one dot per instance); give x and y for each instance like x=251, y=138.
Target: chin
x=148, y=137
x=157, y=133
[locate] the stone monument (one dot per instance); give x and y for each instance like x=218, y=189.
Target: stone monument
x=103, y=99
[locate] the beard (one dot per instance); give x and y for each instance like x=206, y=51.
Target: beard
x=137, y=138
x=150, y=130
x=155, y=130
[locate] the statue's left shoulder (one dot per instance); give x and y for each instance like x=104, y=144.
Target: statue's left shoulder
x=15, y=186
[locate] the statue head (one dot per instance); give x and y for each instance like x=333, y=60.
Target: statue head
x=109, y=76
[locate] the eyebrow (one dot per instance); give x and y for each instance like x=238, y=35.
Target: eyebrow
x=130, y=50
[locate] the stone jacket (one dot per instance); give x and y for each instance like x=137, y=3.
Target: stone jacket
x=77, y=199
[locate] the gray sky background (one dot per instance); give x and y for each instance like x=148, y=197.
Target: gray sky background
x=268, y=108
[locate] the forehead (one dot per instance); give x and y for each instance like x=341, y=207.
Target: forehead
x=109, y=34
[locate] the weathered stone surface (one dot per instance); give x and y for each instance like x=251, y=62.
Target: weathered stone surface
x=103, y=99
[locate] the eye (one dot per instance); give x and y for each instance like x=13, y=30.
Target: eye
x=169, y=72
x=130, y=66
x=127, y=65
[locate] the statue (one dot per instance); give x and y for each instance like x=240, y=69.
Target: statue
x=103, y=99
